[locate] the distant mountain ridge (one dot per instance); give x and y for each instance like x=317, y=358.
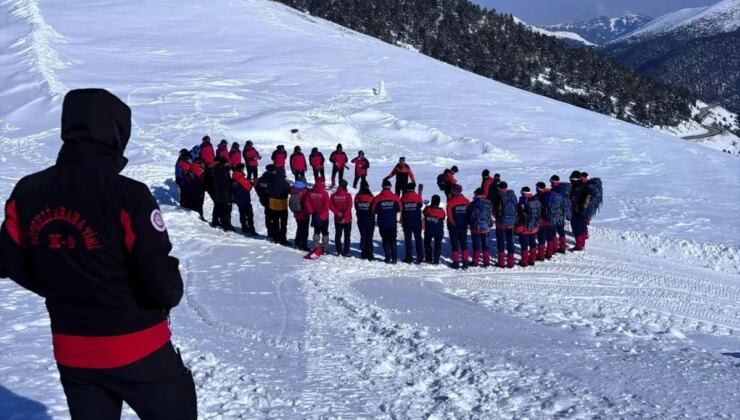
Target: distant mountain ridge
x=603, y=29
x=696, y=49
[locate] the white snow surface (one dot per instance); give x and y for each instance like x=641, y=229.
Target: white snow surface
x=645, y=324
x=721, y=17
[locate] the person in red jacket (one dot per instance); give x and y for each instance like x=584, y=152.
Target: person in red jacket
x=529, y=216
x=385, y=207
x=316, y=159
x=243, y=199
x=339, y=161
x=341, y=206
x=361, y=167
x=488, y=184
x=317, y=206
x=279, y=156
x=450, y=180
x=365, y=221
x=235, y=155
x=251, y=160
x=94, y=245
x=403, y=175
x=298, y=163
x=434, y=218
x=458, y=218
x=207, y=153
x=222, y=150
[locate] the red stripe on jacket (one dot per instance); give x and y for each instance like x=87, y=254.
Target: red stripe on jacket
x=109, y=352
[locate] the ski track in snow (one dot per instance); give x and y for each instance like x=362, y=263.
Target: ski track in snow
x=604, y=334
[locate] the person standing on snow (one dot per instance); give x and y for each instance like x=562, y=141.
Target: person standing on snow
x=279, y=157
x=339, y=161
x=198, y=187
x=361, y=167
x=558, y=224
x=235, y=155
x=340, y=204
x=206, y=151
x=529, y=214
x=365, y=221
x=243, y=200
x=263, y=183
x=278, y=189
x=488, y=184
x=316, y=159
x=434, y=220
x=222, y=150
x=318, y=206
x=251, y=159
x=504, y=210
x=94, y=245
x=450, y=180
x=458, y=219
x=385, y=207
x=298, y=163
x=222, y=195
x=411, y=204
x=546, y=233
x=403, y=174
x=297, y=204
x=580, y=198
x=182, y=178
x=481, y=222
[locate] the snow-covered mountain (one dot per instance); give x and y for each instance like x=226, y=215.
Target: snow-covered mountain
x=645, y=324
x=603, y=29
x=687, y=24
x=696, y=49
x=569, y=37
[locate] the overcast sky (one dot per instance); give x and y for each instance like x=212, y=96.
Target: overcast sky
x=543, y=12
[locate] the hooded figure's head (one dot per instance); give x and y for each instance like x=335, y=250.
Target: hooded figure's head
x=96, y=116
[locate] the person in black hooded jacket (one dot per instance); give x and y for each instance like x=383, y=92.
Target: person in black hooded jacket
x=93, y=244
x=222, y=194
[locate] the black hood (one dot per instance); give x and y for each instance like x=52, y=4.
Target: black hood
x=96, y=116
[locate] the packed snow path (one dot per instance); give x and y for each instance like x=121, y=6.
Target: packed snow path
x=645, y=324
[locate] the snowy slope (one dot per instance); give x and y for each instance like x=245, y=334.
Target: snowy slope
x=645, y=324
x=721, y=17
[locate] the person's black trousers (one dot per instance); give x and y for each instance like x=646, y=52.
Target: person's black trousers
x=222, y=212
x=251, y=172
x=410, y=236
x=390, y=248
x=357, y=179
x=158, y=386
x=318, y=173
x=366, y=242
x=269, y=223
x=340, y=230
x=246, y=218
x=301, y=234
x=437, y=238
x=280, y=226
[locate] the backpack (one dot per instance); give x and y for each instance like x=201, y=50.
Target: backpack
x=294, y=202
x=596, y=191
x=554, y=208
x=441, y=181
x=480, y=214
x=564, y=190
x=508, y=208
x=533, y=210
x=195, y=152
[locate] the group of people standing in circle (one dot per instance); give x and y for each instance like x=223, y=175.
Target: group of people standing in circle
x=537, y=217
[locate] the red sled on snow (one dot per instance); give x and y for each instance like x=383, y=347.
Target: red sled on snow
x=315, y=254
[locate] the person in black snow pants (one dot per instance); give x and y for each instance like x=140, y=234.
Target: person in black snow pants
x=434, y=221
x=222, y=194
x=94, y=245
x=386, y=207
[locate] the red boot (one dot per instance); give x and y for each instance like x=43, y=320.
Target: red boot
x=551, y=247
x=465, y=258
x=455, y=259
x=579, y=243
x=563, y=245
x=532, y=256
x=541, y=249
x=502, y=259
x=476, y=258
x=510, y=261
x=486, y=259
x=525, y=258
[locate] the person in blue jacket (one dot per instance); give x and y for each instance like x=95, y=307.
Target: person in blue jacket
x=434, y=221
x=412, y=203
x=386, y=207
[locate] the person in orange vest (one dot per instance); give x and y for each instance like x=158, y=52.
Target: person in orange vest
x=341, y=206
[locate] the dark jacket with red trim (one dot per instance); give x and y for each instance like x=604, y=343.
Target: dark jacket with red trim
x=458, y=212
x=386, y=207
x=92, y=242
x=434, y=218
x=362, y=210
x=411, y=205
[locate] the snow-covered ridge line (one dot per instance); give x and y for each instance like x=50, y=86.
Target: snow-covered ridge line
x=37, y=46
